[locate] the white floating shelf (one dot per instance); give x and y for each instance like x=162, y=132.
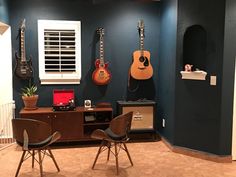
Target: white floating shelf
x=194, y=75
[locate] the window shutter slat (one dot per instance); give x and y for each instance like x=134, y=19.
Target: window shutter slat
x=59, y=50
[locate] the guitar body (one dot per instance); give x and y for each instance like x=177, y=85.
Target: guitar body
x=23, y=69
x=101, y=75
x=141, y=67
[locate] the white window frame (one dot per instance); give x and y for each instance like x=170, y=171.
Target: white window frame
x=62, y=77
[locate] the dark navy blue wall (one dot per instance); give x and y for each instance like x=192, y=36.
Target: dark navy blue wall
x=4, y=11
x=198, y=116
x=166, y=72
x=198, y=104
x=121, y=38
x=228, y=77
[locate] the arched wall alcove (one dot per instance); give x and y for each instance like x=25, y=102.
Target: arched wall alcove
x=195, y=46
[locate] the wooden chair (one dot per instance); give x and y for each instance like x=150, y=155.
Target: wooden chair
x=34, y=137
x=116, y=135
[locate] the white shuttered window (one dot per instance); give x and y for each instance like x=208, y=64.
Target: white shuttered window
x=59, y=51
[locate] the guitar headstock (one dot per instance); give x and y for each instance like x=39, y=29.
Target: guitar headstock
x=22, y=25
x=101, y=31
x=141, y=27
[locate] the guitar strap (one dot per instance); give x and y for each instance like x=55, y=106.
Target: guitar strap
x=129, y=76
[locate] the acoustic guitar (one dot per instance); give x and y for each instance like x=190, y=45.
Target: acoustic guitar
x=23, y=68
x=101, y=75
x=141, y=67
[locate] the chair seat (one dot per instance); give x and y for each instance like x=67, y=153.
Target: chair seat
x=114, y=136
x=39, y=144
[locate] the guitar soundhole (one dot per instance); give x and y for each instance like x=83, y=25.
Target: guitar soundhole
x=141, y=59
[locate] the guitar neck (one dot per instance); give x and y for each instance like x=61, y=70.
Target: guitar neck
x=141, y=42
x=22, y=46
x=141, y=35
x=101, y=51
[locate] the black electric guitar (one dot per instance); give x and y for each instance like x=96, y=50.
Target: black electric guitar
x=23, y=67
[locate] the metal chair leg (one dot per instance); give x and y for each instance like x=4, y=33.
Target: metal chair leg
x=126, y=149
x=21, y=161
x=50, y=152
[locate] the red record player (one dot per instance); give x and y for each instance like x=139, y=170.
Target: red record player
x=63, y=100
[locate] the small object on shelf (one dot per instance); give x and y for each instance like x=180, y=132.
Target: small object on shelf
x=89, y=118
x=194, y=75
x=87, y=103
x=188, y=67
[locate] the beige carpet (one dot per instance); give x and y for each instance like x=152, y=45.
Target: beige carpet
x=151, y=159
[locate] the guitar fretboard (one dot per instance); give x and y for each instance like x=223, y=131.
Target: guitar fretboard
x=101, y=50
x=22, y=44
x=141, y=35
x=141, y=41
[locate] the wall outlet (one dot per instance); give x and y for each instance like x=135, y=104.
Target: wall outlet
x=213, y=80
x=163, y=122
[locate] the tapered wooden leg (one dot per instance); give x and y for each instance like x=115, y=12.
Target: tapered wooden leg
x=50, y=152
x=40, y=163
x=108, y=149
x=126, y=149
x=33, y=158
x=21, y=161
x=116, y=156
x=99, y=151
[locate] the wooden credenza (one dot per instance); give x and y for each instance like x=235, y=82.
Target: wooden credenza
x=74, y=125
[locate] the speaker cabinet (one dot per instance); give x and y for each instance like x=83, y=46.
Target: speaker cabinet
x=143, y=113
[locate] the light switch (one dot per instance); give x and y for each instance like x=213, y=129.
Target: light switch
x=213, y=80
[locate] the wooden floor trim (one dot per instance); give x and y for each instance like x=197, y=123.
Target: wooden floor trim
x=198, y=154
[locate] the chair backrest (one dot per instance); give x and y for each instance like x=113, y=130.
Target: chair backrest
x=37, y=130
x=121, y=124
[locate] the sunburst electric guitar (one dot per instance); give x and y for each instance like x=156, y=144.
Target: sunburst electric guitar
x=23, y=68
x=101, y=75
x=141, y=67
